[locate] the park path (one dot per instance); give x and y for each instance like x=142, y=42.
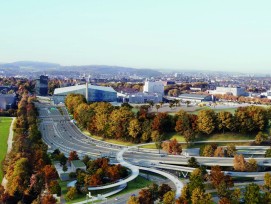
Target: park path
x=9, y=142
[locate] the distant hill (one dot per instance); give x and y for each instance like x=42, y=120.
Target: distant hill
x=104, y=69
x=93, y=69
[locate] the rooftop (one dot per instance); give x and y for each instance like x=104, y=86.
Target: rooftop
x=83, y=86
x=78, y=163
x=200, y=96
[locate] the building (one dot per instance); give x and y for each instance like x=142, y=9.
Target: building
x=77, y=164
x=235, y=91
x=7, y=101
x=140, y=97
x=93, y=93
x=154, y=87
x=41, y=87
x=195, y=97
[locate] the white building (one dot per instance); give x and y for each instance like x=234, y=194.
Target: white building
x=141, y=97
x=235, y=91
x=154, y=87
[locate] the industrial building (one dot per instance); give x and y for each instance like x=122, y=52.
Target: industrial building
x=93, y=93
x=7, y=101
x=235, y=91
x=140, y=97
x=196, y=97
x=41, y=87
x=154, y=87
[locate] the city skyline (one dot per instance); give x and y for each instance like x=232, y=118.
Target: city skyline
x=209, y=35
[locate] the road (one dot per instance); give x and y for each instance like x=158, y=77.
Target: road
x=59, y=132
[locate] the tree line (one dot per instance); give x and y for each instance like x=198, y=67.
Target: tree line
x=108, y=121
x=27, y=167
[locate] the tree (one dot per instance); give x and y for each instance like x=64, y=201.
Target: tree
x=225, y=121
x=154, y=190
x=172, y=147
x=157, y=106
x=267, y=181
x=73, y=156
x=64, y=168
x=134, y=128
x=145, y=196
x=251, y=165
x=219, y=152
x=224, y=201
x=48, y=199
x=208, y=150
x=54, y=188
x=231, y=150
x=206, y=121
x=19, y=179
x=195, y=181
x=268, y=153
x=50, y=173
x=163, y=189
x=70, y=194
x=260, y=137
x=189, y=135
x=119, y=123
x=252, y=194
x=133, y=200
x=199, y=197
x=162, y=123
x=239, y=163
x=182, y=123
x=169, y=197
x=192, y=162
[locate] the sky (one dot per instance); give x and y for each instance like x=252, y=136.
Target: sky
x=224, y=35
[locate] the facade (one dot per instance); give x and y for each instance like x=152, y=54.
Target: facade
x=7, y=101
x=140, y=97
x=235, y=91
x=195, y=97
x=41, y=87
x=154, y=87
x=93, y=93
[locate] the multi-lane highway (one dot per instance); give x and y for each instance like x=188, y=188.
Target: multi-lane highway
x=58, y=131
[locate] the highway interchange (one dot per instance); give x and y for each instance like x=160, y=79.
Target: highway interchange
x=58, y=131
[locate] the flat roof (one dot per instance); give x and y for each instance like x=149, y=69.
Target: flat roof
x=199, y=96
x=80, y=87
x=78, y=163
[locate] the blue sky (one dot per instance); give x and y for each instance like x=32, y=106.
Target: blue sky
x=233, y=35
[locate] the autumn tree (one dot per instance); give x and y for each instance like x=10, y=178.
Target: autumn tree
x=172, y=147
x=119, y=122
x=134, y=128
x=70, y=194
x=73, y=156
x=260, y=137
x=162, y=122
x=169, y=197
x=206, y=121
x=48, y=199
x=219, y=152
x=231, y=150
x=252, y=194
x=195, y=181
x=239, y=163
x=225, y=121
x=199, y=197
x=145, y=196
x=133, y=200
x=163, y=189
x=192, y=162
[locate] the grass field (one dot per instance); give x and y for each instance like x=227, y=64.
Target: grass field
x=137, y=183
x=4, y=132
x=119, y=142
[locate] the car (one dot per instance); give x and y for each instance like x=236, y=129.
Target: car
x=265, y=161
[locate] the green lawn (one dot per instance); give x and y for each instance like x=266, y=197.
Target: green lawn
x=137, y=183
x=5, y=123
x=227, y=136
x=119, y=142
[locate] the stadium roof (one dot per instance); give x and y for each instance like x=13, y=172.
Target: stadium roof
x=79, y=87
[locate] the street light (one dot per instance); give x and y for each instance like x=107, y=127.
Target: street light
x=89, y=196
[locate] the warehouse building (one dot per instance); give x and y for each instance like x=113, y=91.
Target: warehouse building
x=93, y=93
x=195, y=97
